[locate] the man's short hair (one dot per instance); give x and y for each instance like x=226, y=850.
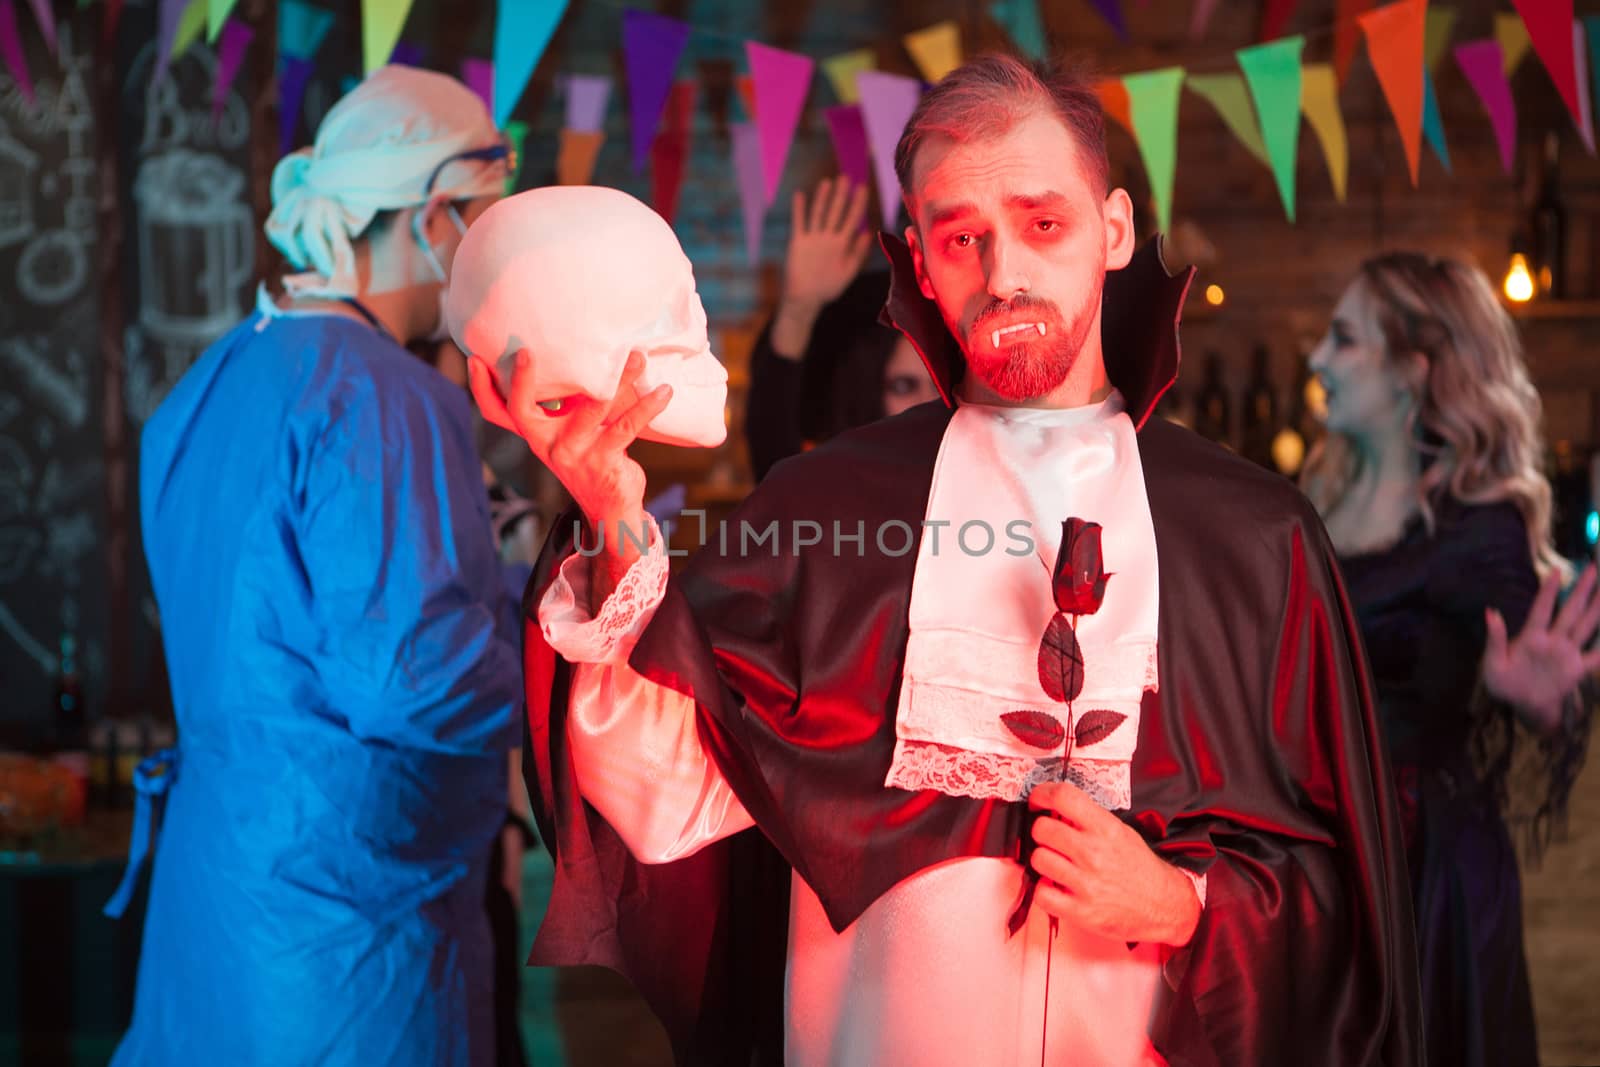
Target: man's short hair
x=988, y=95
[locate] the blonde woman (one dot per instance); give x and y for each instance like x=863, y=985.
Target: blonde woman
x=1431, y=487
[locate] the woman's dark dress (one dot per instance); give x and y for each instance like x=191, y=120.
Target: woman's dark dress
x=1421, y=609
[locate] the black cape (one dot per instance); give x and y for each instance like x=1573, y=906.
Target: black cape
x=1258, y=762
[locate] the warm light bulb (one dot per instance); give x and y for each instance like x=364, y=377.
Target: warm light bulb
x=1215, y=296
x=1288, y=451
x=1316, y=396
x=1519, y=282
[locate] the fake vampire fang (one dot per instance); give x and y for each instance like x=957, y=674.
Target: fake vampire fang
x=995, y=336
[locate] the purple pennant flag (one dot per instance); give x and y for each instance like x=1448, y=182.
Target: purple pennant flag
x=47, y=22
x=1483, y=65
x=782, y=80
x=651, y=45
x=850, y=142
x=478, y=74
x=747, y=173
x=169, y=14
x=231, y=49
x=406, y=54
x=587, y=96
x=1111, y=11
x=887, y=101
x=293, y=74
x=11, y=50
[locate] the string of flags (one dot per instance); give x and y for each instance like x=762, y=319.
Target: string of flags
x=1262, y=103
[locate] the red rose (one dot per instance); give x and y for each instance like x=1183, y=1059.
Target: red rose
x=1079, y=581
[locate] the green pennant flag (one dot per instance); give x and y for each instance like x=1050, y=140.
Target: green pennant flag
x=1227, y=93
x=1273, y=71
x=517, y=134
x=1153, y=108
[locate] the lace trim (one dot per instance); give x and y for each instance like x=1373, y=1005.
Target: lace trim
x=960, y=772
x=584, y=639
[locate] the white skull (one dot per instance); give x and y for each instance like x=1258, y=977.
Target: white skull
x=579, y=277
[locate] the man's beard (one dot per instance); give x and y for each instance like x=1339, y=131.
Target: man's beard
x=1033, y=368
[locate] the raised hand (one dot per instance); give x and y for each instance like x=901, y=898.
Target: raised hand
x=827, y=246
x=1535, y=672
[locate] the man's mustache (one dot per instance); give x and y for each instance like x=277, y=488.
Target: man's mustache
x=1001, y=308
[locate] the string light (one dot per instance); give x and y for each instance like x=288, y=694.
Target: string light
x=1519, y=280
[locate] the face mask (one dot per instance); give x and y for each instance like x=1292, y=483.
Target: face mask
x=441, y=329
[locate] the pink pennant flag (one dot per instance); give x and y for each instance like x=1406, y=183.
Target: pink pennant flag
x=1200, y=18
x=478, y=75
x=849, y=135
x=748, y=174
x=231, y=50
x=1549, y=25
x=782, y=80
x=47, y=22
x=1483, y=64
x=887, y=101
x=11, y=50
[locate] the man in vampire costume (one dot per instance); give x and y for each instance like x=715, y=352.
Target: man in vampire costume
x=1033, y=803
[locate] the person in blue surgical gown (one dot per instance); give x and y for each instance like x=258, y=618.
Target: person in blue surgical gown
x=346, y=678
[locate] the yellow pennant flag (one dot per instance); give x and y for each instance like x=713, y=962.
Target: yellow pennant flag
x=1319, y=99
x=381, y=23
x=842, y=71
x=936, y=50
x=1436, y=38
x=190, y=23
x=1231, y=97
x=1513, y=38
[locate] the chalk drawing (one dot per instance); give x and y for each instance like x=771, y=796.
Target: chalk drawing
x=57, y=378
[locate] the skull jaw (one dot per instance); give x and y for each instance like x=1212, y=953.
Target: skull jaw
x=693, y=418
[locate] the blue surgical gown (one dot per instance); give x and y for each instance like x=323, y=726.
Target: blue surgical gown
x=347, y=690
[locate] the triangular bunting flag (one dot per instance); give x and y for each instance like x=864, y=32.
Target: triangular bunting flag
x=190, y=25
x=782, y=80
x=651, y=45
x=576, y=156
x=1319, y=99
x=478, y=75
x=842, y=70
x=1512, y=34
x=1273, y=73
x=231, y=51
x=1591, y=24
x=1114, y=101
x=1549, y=24
x=294, y=73
x=587, y=97
x=1228, y=95
x=11, y=51
x=1153, y=107
x=381, y=23
x=407, y=54
x=747, y=174
x=1394, y=43
x=522, y=32
x=744, y=87
x=1436, y=39
x=670, y=153
x=1580, y=66
x=517, y=134
x=1483, y=63
x=849, y=135
x=1020, y=20
x=47, y=22
x=1433, y=123
x=217, y=12
x=1200, y=18
x=1347, y=34
x=1275, y=19
x=1111, y=11
x=936, y=49
x=887, y=101
x=302, y=28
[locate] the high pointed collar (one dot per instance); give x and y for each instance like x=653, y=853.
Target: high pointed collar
x=1142, y=307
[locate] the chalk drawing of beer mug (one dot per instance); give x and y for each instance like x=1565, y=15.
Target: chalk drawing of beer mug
x=196, y=246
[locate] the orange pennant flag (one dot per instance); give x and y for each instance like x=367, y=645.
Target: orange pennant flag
x=1114, y=100
x=746, y=86
x=1395, y=36
x=576, y=156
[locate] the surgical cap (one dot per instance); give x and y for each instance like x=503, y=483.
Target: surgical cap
x=375, y=151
